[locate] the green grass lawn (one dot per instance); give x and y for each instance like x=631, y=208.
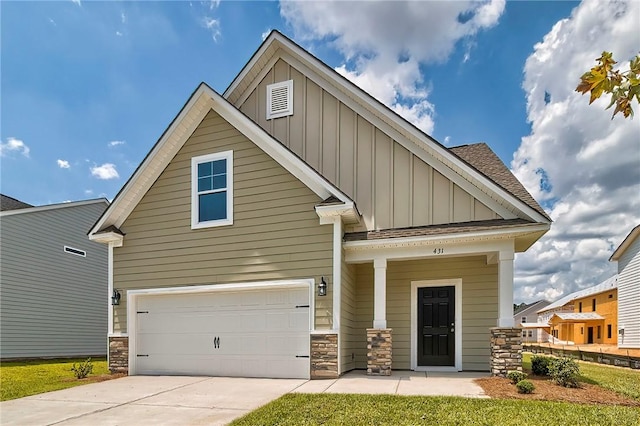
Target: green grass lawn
x=621, y=380
x=336, y=409
x=24, y=378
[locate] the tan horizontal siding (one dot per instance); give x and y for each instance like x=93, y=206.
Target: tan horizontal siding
x=275, y=235
x=479, y=305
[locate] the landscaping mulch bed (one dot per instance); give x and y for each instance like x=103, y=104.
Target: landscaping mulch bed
x=546, y=390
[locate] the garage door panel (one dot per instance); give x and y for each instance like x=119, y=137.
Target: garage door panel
x=261, y=333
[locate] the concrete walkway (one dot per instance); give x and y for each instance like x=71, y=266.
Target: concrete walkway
x=179, y=400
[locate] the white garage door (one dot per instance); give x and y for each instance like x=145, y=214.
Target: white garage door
x=243, y=333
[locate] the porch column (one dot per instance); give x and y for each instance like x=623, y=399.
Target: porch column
x=380, y=294
x=505, y=288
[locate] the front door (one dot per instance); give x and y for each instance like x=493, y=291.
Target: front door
x=589, y=334
x=436, y=326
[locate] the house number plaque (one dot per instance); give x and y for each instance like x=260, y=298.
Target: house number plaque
x=438, y=250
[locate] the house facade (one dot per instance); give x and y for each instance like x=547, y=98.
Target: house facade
x=628, y=257
x=526, y=317
x=296, y=227
x=584, y=317
x=53, y=283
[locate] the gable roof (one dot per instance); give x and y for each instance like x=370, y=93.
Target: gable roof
x=10, y=203
x=629, y=239
x=483, y=159
x=204, y=99
x=539, y=305
x=578, y=316
x=606, y=285
x=446, y=161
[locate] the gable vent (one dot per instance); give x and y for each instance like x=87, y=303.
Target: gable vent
x=280, y=99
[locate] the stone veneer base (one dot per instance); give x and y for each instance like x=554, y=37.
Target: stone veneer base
x=506, y=351
x=324, y=356
x=379, y=351
x=119, y=354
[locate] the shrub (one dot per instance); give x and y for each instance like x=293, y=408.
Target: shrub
x=516, y=376
x=83, y=369
x=540, y=365
x=525, y=386
x=564, y=371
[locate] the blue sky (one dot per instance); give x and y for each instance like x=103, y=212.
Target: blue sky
x=88, y=87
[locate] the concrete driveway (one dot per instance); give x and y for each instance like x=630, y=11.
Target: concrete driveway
x=179, y=400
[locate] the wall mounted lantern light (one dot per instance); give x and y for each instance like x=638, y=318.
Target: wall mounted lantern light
x=115, y=298
x=322, y=287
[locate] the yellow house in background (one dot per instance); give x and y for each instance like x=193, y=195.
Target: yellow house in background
x=585, y=317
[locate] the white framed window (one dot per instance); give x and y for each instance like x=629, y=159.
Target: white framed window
x=280, y=99
x=212, y=190
x=75, y=251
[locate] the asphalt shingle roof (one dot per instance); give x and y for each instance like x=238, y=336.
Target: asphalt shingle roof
x=483, y=159
x=10, y=203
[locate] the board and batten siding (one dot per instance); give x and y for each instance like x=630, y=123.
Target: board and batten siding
x=629, y=296
x=479, y=305
x=52, y=303
x=275, y=234
x=392, y=187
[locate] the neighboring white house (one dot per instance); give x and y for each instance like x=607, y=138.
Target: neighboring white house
x=526, y=316
x=53, y=285
x=628, y=257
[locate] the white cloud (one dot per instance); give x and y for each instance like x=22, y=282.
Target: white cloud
x=53, y=22
x=584, y=166
x=118, y=33
x=213, y=25
x=78, y=2
x=88, y=191
x=14, y=145
x=63, y=164
x=265, y=34
x=116, y=143
x=384, y=43
x=106, y=171
x=123, y=17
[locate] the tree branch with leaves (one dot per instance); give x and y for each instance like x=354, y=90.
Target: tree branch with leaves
x=624, y=86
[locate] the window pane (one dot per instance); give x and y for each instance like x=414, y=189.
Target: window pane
x=205, y=184
x=219, y=181
x=205, y=169
x=212, y=206
x=219, y=167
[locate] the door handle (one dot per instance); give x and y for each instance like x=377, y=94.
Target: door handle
x=216, y=343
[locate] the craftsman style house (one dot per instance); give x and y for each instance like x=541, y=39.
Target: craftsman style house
x=295, y=227
x=627, y=255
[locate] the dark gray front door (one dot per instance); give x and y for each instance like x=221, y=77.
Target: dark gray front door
x=436, y=326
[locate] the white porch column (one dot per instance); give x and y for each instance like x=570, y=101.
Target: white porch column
x=505, y=288
x=380, y=293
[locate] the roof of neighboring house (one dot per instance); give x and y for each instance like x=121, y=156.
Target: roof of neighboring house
x=483, y=159
x=32, y=209
x=538, y=304
x=606, y=285
x=578, y=316
x=629, y=239
x=449, y=228
x=10, y=203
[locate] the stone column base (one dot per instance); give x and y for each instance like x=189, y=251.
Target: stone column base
x=119, y=354
x=379, y=351
x=324, y=355
x=506, y=350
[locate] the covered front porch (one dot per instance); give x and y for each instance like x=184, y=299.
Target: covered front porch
x=429, y=304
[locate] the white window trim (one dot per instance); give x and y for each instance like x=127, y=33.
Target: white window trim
x=195, y=223
x=270, y=88
x=73, y=250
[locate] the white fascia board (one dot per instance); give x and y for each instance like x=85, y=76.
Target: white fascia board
x=456, y=170
x=483, y=242
x=629, y=239
x=53, y=207
x=108, y=238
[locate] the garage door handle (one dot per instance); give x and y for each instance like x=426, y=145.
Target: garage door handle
x=216, y=343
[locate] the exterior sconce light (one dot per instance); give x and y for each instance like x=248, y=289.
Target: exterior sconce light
x=322, y=287
x=115, y=298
